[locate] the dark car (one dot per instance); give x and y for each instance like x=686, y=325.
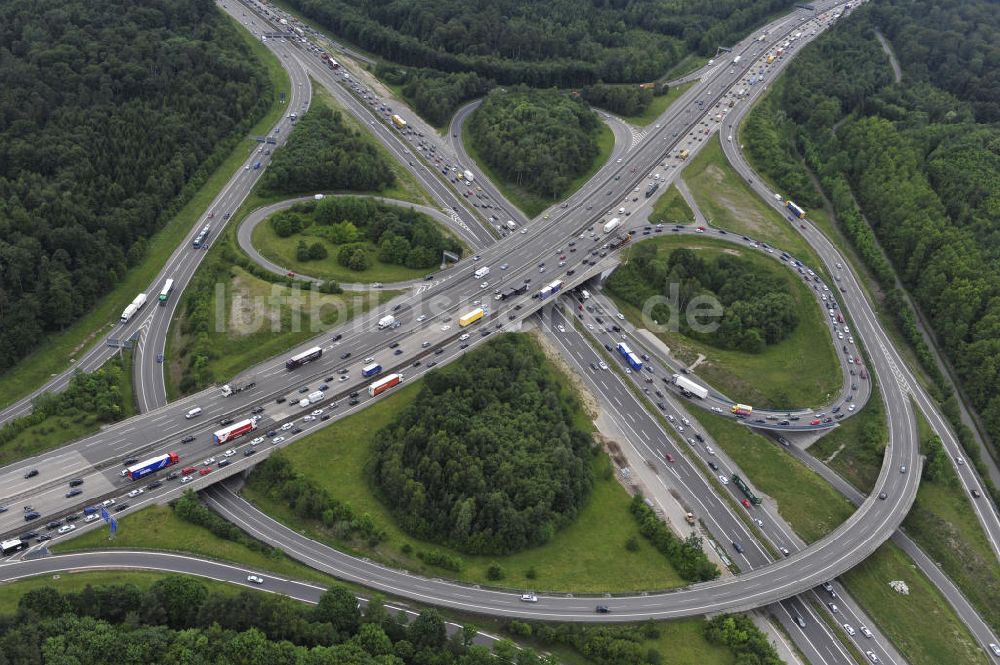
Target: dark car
x=42, y=538
x=713, y=465
x=31, y=474
x=74, y=517
x=121, y=506
x=76, y=482
x=272, y=434
x=31, y=515
x=249, y=451
x=296, y=430
x=439, y=352
x=280, y=400
x=258, y=409
x=398, y=352
x=324, y=387
x=345, y=355
x=130, y=461
x=325, y=416
x=188, y=439
x=226, y=421
x=28, y=535
x=303, y=390
x=602, y=609
x=737, y=547
x=336, y=338
x=55, y=524
x=153, y=485
x=74, y=492
x=394, y=345
x=223, y=462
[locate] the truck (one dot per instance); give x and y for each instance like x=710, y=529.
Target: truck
x=511, y=224
x=770, y=58
x=621, y=240
x=653, y=186
x=152, y=465
x=737, y=59
x=741, y=409
x=739, y=482
x=612, y=225
x=239, y=385
x=371, y=370
x=549, y=289
x=234, y=431
x=13, y=545
x=481, y=272
x=399, y=122
x=796, y=210
x=386, y=322
x=306, y=356
x=133, y=307
x=469, y=177
x=688, y=386
x=630, y=356
x=684, y=154
x=382, y=385
x=168, y=288
x=315, y=396
x=471, y=317
x=202, y=236
x=514, y=291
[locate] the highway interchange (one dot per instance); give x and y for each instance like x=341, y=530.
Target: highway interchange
x=453, y=292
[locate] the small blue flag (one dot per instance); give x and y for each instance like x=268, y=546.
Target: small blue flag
x=104, y=515
x=114, y=526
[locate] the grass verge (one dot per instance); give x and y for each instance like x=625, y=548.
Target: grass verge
x=59, y=351
x=854, y=449
x=529, y=203
x=282, y=251
x=586, y=556
x=671, y=208
x=922, y=625
x=726, y=199
x=661, y=103
x=794, y=372
x=157, y=528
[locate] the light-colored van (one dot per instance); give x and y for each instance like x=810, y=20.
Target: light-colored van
x=196, y=411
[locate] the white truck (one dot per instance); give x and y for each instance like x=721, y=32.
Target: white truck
x=511, y=224
x=612, y=225
x=689, y=386
x=315, y=396
x=482, y=272
x=468, y=175
x=133, y=307
x=736, y=59
x=386, y=322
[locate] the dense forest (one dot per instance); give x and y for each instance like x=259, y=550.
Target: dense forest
x=540, y=140
x=487, y=458
x=435, y=95
x=757, y=310
x=179, y=620
x=911, y=168
x=563, y=43
x=112, y=114
x=362, y=230
x=323, y=154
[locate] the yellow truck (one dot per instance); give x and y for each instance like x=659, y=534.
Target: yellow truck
x=399, y=122
x=684, y=154
x=471, y=317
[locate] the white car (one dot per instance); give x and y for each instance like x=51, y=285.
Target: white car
x=723, y=479
x=709, y=450
x=484, y=285
x=308, y=419
x=716, y=409
x=317, y=413
x=342, y=378
x=67, y=528
x=256, y=579
x=286, y=427
x=867, y=633
x=603, y=365
x=209, y=462
x=230, y=452
x=186, y=479
x=108, y=502
x=851, y=407
x=464, y=337
x=872, y=657
x=136, y=492
x=995, y=649
x=422, y=317
x=621, y=317
x=529, y=598
x=560, y=328
x=370, y=359
x=91, y=518
x=278, y=439
x=256, y=442
x=959, y=460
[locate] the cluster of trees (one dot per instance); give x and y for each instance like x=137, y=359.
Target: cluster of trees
x=604, y=645
x=911, y=169
x=540, y=140
x=97, y=149
x=363, y=230
x=738, y=633
x=190, y=509
x=757, y=310
x=487, y=458
x=179, y=620
x=621, y=99
x=434, y=94
x=93, y=397
x=686, y=556
x=323, y=154
x=277, y=478
x=562, y=43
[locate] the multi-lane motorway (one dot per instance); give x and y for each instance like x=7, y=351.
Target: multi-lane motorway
x=432, y=318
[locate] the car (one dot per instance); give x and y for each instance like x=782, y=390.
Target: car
x=53, y=525
x=872, y=657
x=31, y=473
x=529, y=598
x=257, y=441
x=153, y=485
x=287, y=426
x=784, y=551
x=74, y=492
x=224, y=462
x=959, y=460
x=186, y=479
x=737, y=547
x=308, y=419
x=602, y=609
x=829, y=589
x=122, y=506
x=976, y=493
x=746, y=503
x=798, y=620
x=278, y=439
x=345, y=355
x=867, y=633
x=849, y=629
x=188, y=439
x=208, y=462
x=108, y=502
x=256, y=579
x=833, y=607
x=91, y=518
x=42, y=538
x=136, y=492
x=303, y=390
x=230, y=452
x=76, y=482
x=296, y=430
x=670, y=458
x=31, y=515
x=814, y=421
x=902, y=468
x=723, y=479
x=883, y=496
